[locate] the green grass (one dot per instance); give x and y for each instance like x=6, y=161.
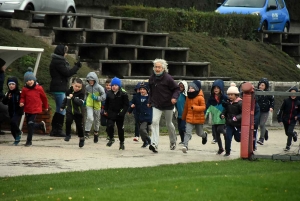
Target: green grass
x=223, y=180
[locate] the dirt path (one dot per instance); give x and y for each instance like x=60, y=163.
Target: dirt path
x=53, y=155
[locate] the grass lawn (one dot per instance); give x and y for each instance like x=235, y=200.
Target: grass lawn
x=223, y=180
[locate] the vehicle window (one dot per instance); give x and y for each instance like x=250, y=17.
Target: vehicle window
x=245, y=3
x=281, y=3
x=272, y=2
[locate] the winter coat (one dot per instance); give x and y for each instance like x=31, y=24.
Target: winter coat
x=289, y=109
x=96, y=89
x=233, y=109
x=60, y=72
x=74, y=104
x=179, y=105
x=14, y=101
x=194, y=109
x=162, y=89
x=265, y=102
x=34, y=99
x=214, y=107
x=116, y=104
x=142, y=111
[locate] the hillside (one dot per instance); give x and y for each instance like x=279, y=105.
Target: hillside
x=235, y=58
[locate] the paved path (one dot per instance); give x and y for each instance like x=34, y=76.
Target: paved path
x=53, y=155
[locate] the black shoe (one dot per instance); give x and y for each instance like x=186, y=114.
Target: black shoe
x=87, y=135
x=110, y=142
x=67, y=138
x=145, y=144
x=220, y=151
x=153, y=148
x=227, y=154
x=172, y=146
x=260, y=142
x=204, y=139
x=295, y=136
x=43, y=126
x=122, y=147
x=28, y=144
x=266, y=135
x=81, y=143
x=96, y=138
x=287, y=148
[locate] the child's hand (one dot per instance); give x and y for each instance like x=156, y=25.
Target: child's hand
x=70, y=95
x=21, y=104
x=61, y=109
x=280, y=123
x=132, y=105
x=9, y=95
x=222, y=116
x=46, y=109
x=234, y=119
x=296, y=117
x=94, y=97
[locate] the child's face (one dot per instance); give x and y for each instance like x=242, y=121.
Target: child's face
x=143, y=91
x=115, y=88
x=231, y=97
x=30, y=83
x=91, y=82
x=77, y=87
x=293, y=97
x=217, y=90
x=107, y=86
x=262, y=86
x=181, y=87
x=11, y=86
x=191, y=89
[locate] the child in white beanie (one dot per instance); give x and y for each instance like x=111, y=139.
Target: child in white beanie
x=233, y=115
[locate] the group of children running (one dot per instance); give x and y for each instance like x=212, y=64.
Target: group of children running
x=108, y=107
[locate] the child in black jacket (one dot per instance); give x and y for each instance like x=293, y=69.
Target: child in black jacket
x=143, y=112
x=12, y=99
x=116, y=106
x=289, y=114
x=73, y=103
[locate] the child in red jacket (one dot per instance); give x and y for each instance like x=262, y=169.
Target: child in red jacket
x=33, y=99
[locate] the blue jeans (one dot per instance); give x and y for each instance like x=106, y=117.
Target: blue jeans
x=58, y=101
x=231, y=131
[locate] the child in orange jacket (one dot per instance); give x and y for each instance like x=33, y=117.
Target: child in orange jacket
x=193, y=113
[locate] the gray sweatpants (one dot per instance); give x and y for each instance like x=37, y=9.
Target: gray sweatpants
x=92, y=116
x=188, y=135
x=155, y=125
x=262, y=124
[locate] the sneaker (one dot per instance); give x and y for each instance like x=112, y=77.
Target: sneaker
x=220, y=151
x=17, y=140
x=204, y=139
x=67, y=138
x=153, y=148
x=136, y=139
x=87, y=135
x=145, y=144
x=122, y=147
x=213, y=141
x=260, y=142
x=295, y=136
x=107, y=138
x=227, y=154
x=43, y=126
x=266, y=135
x=287, y=148
x=110, y=142
x=172, y=146
x=184, y=149
x=81, y=143
x=96, y=138
x=180, y=143
x=28, y=144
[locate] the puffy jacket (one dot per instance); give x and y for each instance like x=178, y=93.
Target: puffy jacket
x=265, y=102
x=116, y=105
x=34, y=99
x=233, y=109
x=142, y=111
x=161, y=90
x=95, y=89
x=74, y=104
x=194, y=109
x=60, y=73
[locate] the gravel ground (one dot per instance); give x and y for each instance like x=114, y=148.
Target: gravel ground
x=52, y=155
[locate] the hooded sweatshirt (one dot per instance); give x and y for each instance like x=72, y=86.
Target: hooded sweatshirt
x=215, y=104
x=95, y=89
x=14, y=101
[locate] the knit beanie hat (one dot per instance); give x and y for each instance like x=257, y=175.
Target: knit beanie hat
x=61, y=50
x=196, y=84
x=116, y=81
x=2, y=62
x=29, y=69
x=29, y=76
x=145, y=86
x=233, y=89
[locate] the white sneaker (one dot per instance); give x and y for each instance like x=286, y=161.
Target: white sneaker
x=184, y=149
x=213, y=141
